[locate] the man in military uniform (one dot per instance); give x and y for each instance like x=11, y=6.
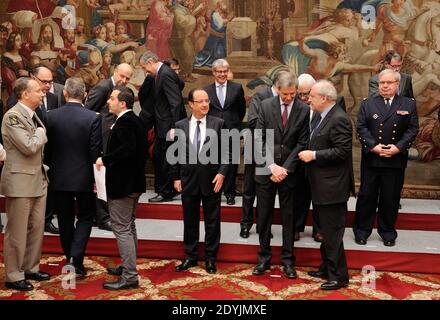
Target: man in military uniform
x=387, y=124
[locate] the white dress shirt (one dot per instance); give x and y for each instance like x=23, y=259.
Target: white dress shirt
x=192, y=130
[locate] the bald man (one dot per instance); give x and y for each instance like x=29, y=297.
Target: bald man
x=97, y=101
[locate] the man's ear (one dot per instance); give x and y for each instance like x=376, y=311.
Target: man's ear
x=66, y=96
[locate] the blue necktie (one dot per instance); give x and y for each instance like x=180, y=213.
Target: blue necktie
x=316, y=119
x=197, y=137
x=221, y=95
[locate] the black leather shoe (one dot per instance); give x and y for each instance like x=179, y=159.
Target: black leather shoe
x=106, y=226
x=160, y=198
x=115, y=271
x=230, y=201
x=121, y=284
x=334, y=285
x=1, y=228
x=260, y=269
x=244, y=233
x=238, y=193
x=37, y=276
x=289, y=272
x=318, y=274
x=296, y=236
x=20, y=285
x=389, y=243
x=318, y=237
x=50, y=228
x=185, y=265
x=210, y=267
x=80, y=270
x=361, y=242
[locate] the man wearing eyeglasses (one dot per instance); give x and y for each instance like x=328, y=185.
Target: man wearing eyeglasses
x=228, y=103
x=387, y=125
x=393, y=61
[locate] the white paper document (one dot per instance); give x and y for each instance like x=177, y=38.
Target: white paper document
x=100, y=183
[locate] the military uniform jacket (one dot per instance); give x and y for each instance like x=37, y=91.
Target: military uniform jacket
x=23, y=173
x=376, y=124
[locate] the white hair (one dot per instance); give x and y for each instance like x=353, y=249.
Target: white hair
x=326, y=89
x=306, y=79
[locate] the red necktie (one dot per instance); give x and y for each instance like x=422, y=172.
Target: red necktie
x=284, y=115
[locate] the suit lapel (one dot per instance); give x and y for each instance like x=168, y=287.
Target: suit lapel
x=397, y=101
x=323, y=123
x=215, y=101
x=26, y=115
x=228, y=95
x=292, y=116
x=276, y=112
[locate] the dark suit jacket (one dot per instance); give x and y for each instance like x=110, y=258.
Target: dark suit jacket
x=197, y=178
x=97, y=101
x=405, y=87
x=124, y=158
x=331, y=174
x=52, y=103
x=255, y=104
x=398, y=126
x=340, y=101
x=235, y=104
x=169, y=104
x=147, y=101
x=74, y=144
x=288, y=142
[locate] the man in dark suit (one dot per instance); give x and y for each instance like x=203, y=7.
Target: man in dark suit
x=329, y=169
x=387, y=125
x=200, y=180
x=393, y=61
x=249, y=190
x=227, y=102
x=124, y=161
x=97, y=101
x=286, y=120
x=75, y=142
x=168, y=109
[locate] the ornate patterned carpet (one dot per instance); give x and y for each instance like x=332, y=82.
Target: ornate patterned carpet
x=159, y=281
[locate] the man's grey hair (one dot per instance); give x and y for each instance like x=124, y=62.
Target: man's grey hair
x=149, y=56
x=276, y=78
x=220, y=63
x=21, y=85
x=75, y=88
x=396, y=75
x=306, y=79
x=287, y=79
x=326, y=89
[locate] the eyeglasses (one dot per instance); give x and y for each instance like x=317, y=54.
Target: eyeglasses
x=387, y=82
x=43, y=81
x=202, y=101
x=303, y=94
x=221, y=71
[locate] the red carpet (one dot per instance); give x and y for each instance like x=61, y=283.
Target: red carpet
x=233, y=281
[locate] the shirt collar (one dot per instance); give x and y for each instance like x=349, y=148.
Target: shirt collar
x=194, y=120
x=326, y=111
x=391, y=99
x=29, y=110
x=123, y=112
x=158, y=68
x=113, y=82
x=274, y=92
x=218, y=84
x=289, y=105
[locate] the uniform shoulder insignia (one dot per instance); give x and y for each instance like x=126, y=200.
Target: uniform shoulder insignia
x=364, y=99
x=97, y=113
x=413, y=99
x=13, y=119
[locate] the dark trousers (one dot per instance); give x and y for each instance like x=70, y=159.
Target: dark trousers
x=231, y=175
x=379, y=193
x=265, y=204
x=191, y=224
x=74, y=237
x=163, y=184
x=102, y=214
x=301, y=207
x=249, y=192
x=332, y=218
x=48, y=216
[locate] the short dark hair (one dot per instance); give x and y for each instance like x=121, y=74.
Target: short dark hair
x=3, y=29
x=126, y=95
x=191, y=93
x=392, y=55
x=169, y=62
x=20, y=86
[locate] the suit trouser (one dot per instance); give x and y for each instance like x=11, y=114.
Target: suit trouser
x=265, y=205
x=249, y=192
x=123, y=216
x=380, y=190
x=23, y=236
x=332, y=218
x=302, y=203
x=230, y=177
x=191, y=224
x=163, y=184
x=74, y=237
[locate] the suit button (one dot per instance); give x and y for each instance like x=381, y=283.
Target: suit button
x=393, y=139
x=380, y=131
x=381, y=124
x=394, y=131
x=395, y=125
x=380, y=138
